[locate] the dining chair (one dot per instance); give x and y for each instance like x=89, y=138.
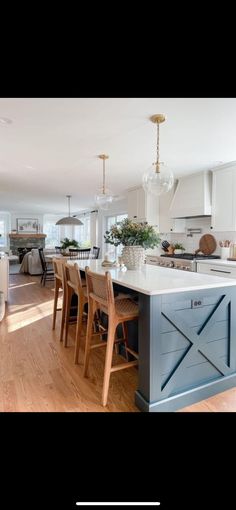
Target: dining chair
x=79, y=253
x=47, y=271
x=95, y=252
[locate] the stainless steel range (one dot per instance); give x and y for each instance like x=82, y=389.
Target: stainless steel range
x=185, y=261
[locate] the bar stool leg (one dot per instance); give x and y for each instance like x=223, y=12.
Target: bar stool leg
x=108, y=361
x=57, y=286
x=63, y=314
x=78, y=329
x=91, y=312
x=125, y=336
x=68, y=305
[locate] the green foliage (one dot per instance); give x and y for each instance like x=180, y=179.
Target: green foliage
x=129, y=233
x=69, y=242
x=178, y=246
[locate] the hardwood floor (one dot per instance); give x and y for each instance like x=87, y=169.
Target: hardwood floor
x=38, y=374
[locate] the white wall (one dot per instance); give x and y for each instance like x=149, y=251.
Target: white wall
x=15, y=215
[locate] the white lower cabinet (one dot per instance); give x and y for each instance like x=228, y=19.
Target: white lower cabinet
x=217, y=270
x=4, y=276
x=151, y=259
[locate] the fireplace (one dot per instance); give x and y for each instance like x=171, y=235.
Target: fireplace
x=22, y=243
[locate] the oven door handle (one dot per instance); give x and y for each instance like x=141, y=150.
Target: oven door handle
x=220, y=271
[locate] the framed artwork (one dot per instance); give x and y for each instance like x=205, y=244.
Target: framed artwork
x=27, y=225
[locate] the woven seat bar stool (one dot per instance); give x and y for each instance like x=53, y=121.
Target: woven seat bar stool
x=119, y=311
x=58, y=266
x=75, y=285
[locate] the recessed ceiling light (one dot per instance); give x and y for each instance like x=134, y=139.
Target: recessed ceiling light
x=5, y=120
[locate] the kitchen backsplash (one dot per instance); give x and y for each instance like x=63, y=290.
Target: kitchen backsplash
x=192, y=243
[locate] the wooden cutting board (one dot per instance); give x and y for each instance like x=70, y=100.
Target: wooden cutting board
x=207, y=244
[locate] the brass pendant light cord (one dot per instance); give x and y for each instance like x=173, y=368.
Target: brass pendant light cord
x=103, y=157
x=158, y=151
x=103, y=189
x=157, y=119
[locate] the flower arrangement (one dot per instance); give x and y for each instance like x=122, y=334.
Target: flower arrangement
x=66, y=243
x=130, y=233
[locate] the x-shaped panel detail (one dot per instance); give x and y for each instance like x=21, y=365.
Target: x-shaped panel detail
x=198, y=343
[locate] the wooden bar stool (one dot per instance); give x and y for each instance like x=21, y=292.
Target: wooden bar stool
x=75, y=285
x=119, y=311
x=58, y=267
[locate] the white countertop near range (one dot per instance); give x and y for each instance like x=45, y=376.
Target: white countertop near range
x=155, y=280
x=218, y=262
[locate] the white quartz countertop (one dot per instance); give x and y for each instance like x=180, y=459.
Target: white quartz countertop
x=218, y=262
x=154, y=280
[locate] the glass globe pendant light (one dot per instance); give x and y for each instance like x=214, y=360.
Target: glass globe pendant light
x=104, y=197
x=158, y=179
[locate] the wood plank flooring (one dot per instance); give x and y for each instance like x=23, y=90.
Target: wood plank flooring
x=38, y=374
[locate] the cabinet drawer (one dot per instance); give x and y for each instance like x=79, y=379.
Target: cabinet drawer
x=151, y=260
x=214, y=269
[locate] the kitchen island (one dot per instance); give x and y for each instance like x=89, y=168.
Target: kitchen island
x=186, y=334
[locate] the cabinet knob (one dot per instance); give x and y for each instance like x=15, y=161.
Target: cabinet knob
x=171, y=229
x=135, y=216
x=211, y=228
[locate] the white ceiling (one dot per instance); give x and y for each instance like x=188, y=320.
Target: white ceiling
x=50, y=149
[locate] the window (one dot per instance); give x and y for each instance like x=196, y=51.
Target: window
x=4, y=229
x=82, y=232
x=111, y=220
x=53, y=234
x=52, y=231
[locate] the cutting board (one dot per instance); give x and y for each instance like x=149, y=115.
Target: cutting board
x=207, y=244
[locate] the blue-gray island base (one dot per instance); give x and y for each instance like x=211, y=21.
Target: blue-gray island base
x=187, y=347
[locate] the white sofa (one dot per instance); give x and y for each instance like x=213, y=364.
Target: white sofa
x=31, y=262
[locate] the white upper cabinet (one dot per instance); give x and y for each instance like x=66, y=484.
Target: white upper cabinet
x=143, y=207
x=223, y=198
x=166, y=223
x=192, y=196
x=132, y=204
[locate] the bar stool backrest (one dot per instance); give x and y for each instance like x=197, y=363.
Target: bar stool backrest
x=58, y=265
x=100, y=289
x=73, y=278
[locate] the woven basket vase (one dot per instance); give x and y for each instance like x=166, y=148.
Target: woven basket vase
x=133, y=257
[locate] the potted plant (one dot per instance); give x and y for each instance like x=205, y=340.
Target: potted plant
x=69, y=243
x=178, y=248
x=135, y=238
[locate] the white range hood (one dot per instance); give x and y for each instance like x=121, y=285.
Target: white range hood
x=192, y=197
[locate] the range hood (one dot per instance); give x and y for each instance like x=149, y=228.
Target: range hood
x=192, y=196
